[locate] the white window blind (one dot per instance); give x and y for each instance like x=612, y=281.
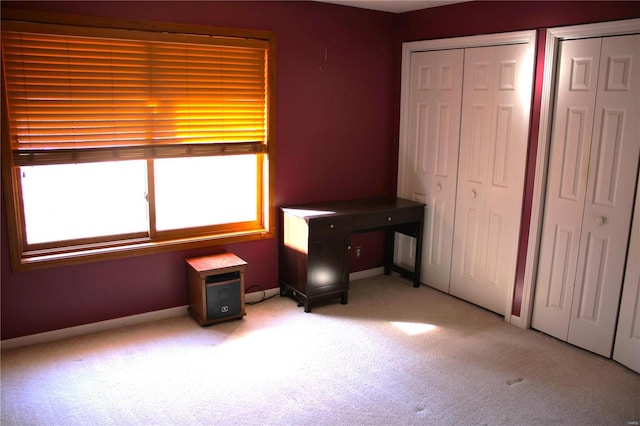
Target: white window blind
x=122, y=94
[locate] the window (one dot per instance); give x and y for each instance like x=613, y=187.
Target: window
x=124, y=138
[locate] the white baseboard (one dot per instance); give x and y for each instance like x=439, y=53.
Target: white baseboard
x=95, y=327
x=257, y=296
x=515, y=321
x=65, y=333
x=367, y=273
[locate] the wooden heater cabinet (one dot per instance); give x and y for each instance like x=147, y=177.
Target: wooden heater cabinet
x=216, y=288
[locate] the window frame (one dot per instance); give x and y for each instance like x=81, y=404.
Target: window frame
x=37, y=256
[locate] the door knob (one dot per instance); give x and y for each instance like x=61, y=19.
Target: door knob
x=600, y=220
x=438, y=187
x=474, y=194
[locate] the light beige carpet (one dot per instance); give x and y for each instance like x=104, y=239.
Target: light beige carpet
x=395, y=355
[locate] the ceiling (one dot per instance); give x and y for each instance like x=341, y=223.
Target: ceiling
x=394, y=6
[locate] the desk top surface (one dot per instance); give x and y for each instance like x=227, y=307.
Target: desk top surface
x=351, y=207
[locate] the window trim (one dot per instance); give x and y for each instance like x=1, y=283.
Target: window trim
x=29, y=258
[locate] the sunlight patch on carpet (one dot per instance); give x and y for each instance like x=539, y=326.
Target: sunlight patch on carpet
x=413, y=328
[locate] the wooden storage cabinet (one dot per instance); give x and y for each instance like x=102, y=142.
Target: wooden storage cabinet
x=215, y=287
x=315, y=243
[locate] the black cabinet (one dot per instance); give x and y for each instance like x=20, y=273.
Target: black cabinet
x=315, y=243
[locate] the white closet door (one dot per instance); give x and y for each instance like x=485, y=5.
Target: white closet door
x=610, y=192
x=566, y=184
x=432, y=166
x=493, y=145
x=627, y=345
x=588, y=209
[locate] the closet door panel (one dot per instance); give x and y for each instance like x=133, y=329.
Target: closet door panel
x=609, y=197
x=473, y=171
x=436, y=91
x=566, y=184
x=592, y=176
x=493, y=141
x=627, y=344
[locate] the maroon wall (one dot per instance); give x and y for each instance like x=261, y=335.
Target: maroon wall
x=336, y=130
x=483, y=17
x=334, y=138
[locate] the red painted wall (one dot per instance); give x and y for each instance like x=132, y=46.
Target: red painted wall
x=334, y=138
x=336, y=129
x=483, y=17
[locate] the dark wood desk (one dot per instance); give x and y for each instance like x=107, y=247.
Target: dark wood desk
x=315, y=243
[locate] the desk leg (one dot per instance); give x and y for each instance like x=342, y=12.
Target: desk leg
x=389, y=241
x=418, y=265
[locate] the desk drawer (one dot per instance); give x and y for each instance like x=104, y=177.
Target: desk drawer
x=328, y=228
x=382, y=219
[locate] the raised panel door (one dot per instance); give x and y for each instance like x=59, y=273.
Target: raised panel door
x=610, y=190
x=576, y=88
x=592, y=176
x=493, y=144
x=627, y=344
x=431, y=170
